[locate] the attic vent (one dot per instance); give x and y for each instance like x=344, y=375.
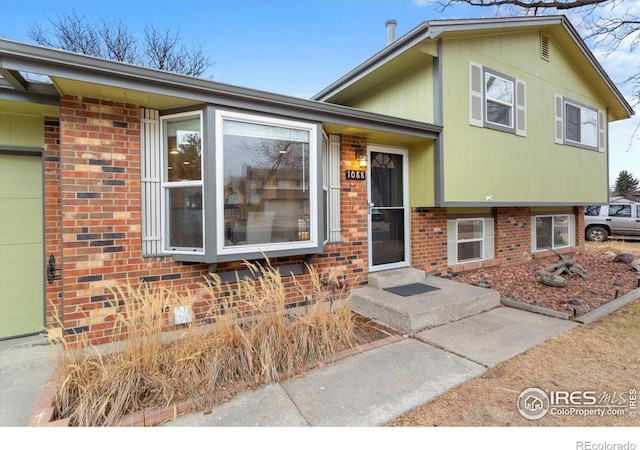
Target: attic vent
x=544, y=47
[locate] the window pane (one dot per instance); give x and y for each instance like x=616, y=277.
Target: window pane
x=469, y=251
x=593, y=210
x=386, y=180
x=184, y=149
x=266, y=184
x=560, y=231
x=499, y=89
x=620, y=210
x=572, y=118
x=469, y=229
x=185, y=217
x=497, y=113
x=387, y=237
x=543, y=233
x=589, y=127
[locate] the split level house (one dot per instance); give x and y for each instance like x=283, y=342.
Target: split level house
x=463, y=144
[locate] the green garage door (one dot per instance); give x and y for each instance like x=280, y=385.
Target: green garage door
x=21, y=252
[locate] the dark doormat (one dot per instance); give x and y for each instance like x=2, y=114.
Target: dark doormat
x=408, y=290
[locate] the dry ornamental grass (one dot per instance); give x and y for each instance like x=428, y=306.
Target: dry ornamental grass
x=253, y=340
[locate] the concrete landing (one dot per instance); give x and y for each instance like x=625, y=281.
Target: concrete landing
x=495, y=336
x=453, y=301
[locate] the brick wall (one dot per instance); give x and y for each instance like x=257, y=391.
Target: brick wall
x=351, y=255
x=512, y=235
x=99, y=236
x=579, y=212
x=429, y=239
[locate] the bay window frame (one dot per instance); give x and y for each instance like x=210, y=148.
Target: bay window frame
x=167, y=185
x=313, y=244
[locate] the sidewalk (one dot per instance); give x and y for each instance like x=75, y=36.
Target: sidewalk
x=368, y=389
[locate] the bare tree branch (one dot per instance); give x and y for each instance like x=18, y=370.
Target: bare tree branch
x=112, y=39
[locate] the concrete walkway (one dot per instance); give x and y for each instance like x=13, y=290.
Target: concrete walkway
x=375, y=387
x=368, y=389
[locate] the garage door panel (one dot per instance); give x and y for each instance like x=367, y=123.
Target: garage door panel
x=21, y=177
x=20, y=313
x=20, y=221
x=21, y=246
x=21, y=265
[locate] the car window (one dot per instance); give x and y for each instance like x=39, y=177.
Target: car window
x=620, y=210
x=638, y=211
x=593, y=210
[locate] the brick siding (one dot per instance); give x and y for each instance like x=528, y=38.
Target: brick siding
x=98, y=239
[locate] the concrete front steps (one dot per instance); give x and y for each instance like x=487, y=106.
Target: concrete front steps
x=451, y=302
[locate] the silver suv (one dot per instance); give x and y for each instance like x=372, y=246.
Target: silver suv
x=614, y=219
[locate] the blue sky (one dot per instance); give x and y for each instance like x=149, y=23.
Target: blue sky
x=293, y=47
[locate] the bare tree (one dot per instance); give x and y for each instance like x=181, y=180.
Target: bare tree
x=112, y=39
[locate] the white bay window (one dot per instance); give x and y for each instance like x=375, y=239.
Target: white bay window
x=266, y=179
x=182, y=183
x=225, y=186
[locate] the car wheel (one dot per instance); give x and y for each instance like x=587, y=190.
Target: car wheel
x=597, y=234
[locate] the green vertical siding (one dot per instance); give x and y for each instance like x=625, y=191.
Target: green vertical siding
x=21, y=130
x=409, y=96
x=480, y=162
x=421, y=180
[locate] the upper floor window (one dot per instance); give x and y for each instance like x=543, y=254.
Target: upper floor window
x=579, y=125
x=497, y=100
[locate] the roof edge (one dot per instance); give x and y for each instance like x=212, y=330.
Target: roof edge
x=87, y=68
x=435, y=28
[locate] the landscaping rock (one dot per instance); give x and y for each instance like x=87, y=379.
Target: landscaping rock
x=552, y=280
x=627, y=258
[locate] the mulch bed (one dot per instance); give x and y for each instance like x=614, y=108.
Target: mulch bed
x=522, y=283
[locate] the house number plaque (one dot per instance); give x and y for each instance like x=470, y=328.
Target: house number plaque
x=356, y=174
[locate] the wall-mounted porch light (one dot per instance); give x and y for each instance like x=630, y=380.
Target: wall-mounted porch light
x=361, y=157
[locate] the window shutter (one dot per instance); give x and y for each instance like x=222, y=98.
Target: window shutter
x=602, y=131
x=452, y=242
x=475, y=95
x=488, y=239
x=335, y=232
x=559, y=120
x=150, y=181
x=521, y=112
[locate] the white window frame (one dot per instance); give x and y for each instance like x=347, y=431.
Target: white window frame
x=478, y=100
x=534, y=231
x=166, y=185
x=486, y=99
x=561, y=124
x=314, y=183
x=580, y=108
x=488, y=242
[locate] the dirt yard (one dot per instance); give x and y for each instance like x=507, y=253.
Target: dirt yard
x=602, y=357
